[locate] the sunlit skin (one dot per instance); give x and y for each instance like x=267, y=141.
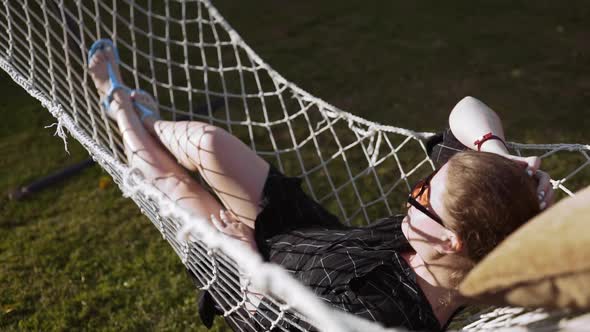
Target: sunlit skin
x=165, y=151
x=438, y=256
x=436, y=250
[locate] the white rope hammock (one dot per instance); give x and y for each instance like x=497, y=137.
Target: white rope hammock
x=198, y=67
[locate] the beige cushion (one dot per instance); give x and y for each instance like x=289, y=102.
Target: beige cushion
x=545, y=263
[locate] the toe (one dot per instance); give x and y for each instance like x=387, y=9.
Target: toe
x=138, y=97
x=96, y=60
x=109, y=55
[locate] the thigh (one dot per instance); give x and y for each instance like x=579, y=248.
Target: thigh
x=234, y=172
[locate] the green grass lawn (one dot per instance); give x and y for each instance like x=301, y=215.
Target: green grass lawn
x=76, y=256
x=80, y=257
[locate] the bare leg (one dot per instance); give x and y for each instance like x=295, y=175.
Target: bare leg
x=145, y=153
x=231, y=168
x=218, y=154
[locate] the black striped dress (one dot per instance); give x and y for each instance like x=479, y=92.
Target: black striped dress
x=358, y=270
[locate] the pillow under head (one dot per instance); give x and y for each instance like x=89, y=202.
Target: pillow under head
x=545, y=263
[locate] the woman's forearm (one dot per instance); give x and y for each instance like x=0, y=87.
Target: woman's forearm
x=470, y=119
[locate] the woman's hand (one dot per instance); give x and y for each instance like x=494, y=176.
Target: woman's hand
x=230, y=226
x=532, y=163
x=545, y=191
x=470, y=119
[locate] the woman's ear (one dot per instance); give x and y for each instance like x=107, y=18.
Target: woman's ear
x=449, y=243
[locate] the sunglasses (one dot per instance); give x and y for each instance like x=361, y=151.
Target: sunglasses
x=420, y=197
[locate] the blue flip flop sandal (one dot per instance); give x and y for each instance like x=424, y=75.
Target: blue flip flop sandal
x=104, y=45
x=146, y=110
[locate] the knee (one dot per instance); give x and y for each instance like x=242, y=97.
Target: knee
x=208, y=138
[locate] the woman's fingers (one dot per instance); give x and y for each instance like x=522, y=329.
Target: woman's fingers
x=544, y=182
x=230, y=226
x=549, y=198
x=544, y=189
x=220, y=225
x=532, y=163
x=226, y=217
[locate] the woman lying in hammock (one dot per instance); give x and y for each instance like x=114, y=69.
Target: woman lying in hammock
x=400, y=270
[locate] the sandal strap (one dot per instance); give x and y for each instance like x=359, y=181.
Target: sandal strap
x=100, y=45
x=103, y=44
x=115, y=85
x=145, y=110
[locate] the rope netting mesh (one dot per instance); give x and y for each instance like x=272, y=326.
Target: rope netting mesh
x=198, y=68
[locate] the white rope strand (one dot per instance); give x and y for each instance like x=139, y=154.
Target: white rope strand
x=199, y=68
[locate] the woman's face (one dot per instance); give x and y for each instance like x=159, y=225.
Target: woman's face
x=424, y=234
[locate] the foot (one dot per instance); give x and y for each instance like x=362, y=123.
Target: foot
x=145, y=105
x=99, y=72
x=146, y=108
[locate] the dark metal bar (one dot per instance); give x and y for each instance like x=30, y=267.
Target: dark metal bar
x=49, y=180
